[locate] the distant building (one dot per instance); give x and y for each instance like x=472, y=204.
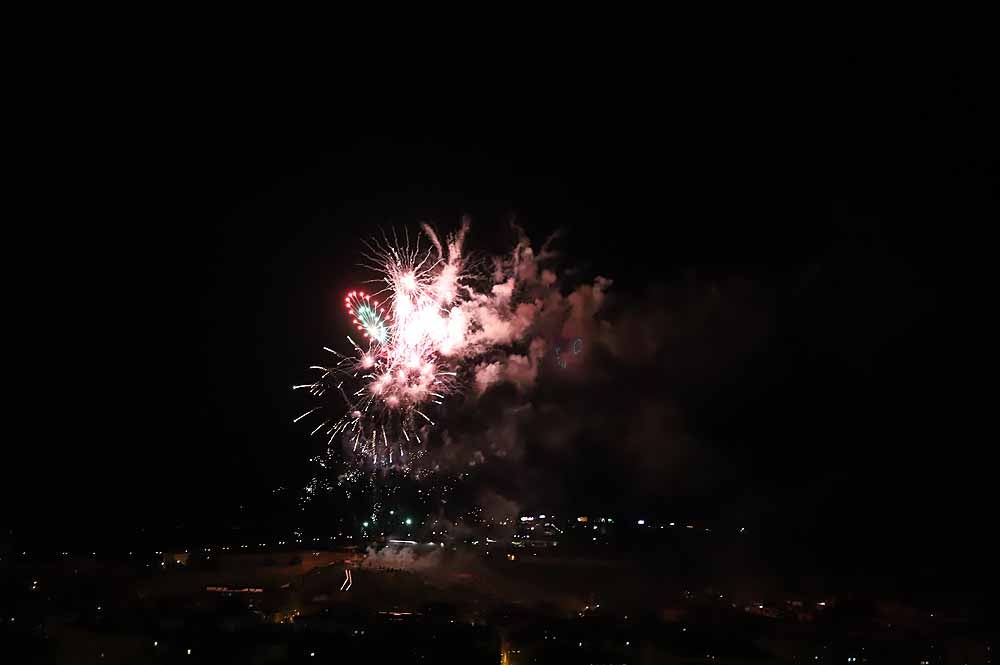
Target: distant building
x=176, y=558
x=762, y=611
x=536, y=533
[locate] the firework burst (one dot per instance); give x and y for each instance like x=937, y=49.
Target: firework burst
x=385, y=389
x=366, y=315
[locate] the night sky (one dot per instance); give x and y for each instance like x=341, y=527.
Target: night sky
x=800, y=245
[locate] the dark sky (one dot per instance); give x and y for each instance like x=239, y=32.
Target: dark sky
x=188, y=248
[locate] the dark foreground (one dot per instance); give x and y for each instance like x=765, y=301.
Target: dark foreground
x=449, y=605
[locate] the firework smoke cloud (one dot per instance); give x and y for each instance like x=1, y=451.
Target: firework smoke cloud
x=437, y=331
